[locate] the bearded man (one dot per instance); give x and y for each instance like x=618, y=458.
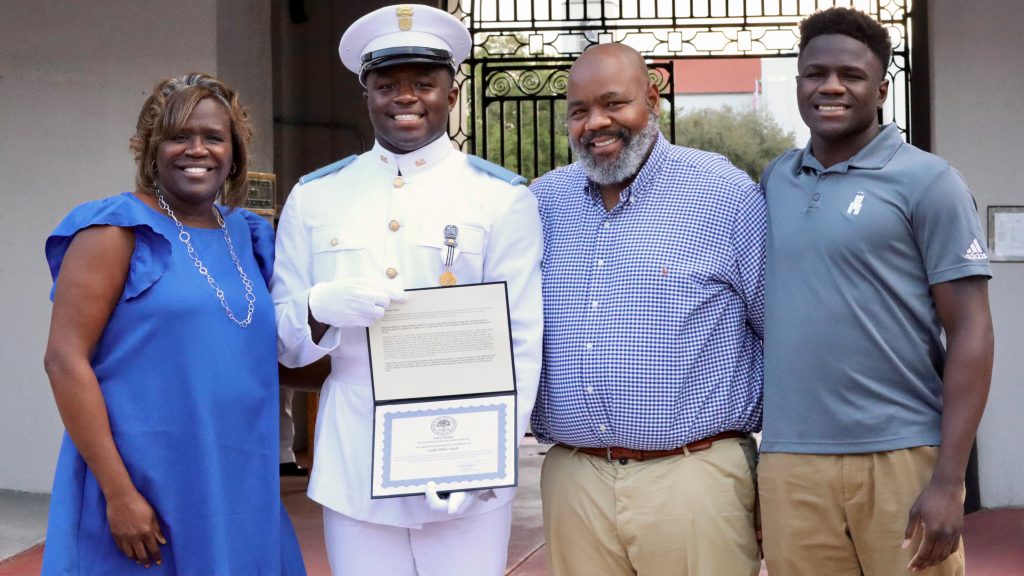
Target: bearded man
x=651, y=383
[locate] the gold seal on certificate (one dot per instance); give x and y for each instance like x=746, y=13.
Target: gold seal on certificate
x=444, y=391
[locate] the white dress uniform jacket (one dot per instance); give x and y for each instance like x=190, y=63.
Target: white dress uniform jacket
x=383, y=216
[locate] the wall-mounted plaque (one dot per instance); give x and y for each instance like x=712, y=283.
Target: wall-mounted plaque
x=1006, y=233
x=262, y=194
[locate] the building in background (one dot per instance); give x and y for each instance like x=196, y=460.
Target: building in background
x=68, y=104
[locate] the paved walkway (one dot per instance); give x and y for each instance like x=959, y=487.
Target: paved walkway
x=994, y=538
x=22, y=521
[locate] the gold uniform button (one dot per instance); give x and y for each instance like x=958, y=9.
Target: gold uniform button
x=399, y=182
x=394, y=225
x=391, y=273
x=334, y=241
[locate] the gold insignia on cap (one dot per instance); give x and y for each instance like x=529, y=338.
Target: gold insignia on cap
x=404, y=13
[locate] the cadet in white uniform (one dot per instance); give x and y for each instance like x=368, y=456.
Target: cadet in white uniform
x=352, y=236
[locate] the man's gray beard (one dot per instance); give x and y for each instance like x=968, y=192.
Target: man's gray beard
x=630, y=159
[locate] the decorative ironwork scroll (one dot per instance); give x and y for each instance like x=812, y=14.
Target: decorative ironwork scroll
x=514, y=81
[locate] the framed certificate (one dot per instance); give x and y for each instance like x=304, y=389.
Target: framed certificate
x=460, y=444
x=444, y=392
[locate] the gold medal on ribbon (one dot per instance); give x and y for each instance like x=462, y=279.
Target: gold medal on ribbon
x=449, y=252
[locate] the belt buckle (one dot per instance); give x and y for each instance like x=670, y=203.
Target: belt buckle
x=623, y=460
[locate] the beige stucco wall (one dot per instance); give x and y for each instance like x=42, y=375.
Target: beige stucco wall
x=978, y=111
x=73, y=76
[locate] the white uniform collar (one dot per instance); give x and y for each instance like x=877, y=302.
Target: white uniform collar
x=416, y=161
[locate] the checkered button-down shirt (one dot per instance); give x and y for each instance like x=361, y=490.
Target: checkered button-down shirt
x=653, y=311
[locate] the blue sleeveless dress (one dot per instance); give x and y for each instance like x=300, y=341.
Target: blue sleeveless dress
x=193, y=405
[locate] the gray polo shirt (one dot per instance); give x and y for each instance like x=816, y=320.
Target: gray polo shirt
x=853, y=356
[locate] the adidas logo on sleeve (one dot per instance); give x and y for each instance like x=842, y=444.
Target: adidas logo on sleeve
x=974, y=251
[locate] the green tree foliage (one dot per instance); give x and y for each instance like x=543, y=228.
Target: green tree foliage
x=525, y=132
x=750, y=138
x=528, y=137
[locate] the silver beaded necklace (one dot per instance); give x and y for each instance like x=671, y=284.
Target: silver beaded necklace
x=186, y=238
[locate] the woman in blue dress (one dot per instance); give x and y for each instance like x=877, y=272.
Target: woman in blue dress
x=162, y=359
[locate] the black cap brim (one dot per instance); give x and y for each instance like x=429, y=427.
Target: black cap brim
x=404, y=55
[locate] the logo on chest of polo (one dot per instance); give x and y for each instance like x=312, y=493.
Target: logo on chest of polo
x=855, y=206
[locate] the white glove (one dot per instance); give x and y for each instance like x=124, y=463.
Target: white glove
x=351, y=301
x=456, y=503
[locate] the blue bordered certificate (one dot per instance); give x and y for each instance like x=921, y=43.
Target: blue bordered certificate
x=444, y=392
x=461, y=444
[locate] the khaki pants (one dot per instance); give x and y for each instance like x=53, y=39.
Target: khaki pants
x=844, y=514
x=685, y=515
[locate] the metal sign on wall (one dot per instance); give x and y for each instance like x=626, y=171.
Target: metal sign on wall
x=512, y=109
x=262, y=194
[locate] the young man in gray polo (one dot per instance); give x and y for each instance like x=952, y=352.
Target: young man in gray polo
x=874, y=250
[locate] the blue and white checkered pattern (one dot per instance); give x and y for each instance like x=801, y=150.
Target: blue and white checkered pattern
x=653, y=312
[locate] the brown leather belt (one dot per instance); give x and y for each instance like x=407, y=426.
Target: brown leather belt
x=623, y=455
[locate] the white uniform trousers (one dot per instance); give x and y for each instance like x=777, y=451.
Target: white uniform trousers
x=472, y=545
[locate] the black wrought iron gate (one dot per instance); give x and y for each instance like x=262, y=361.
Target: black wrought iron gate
x=512, y=109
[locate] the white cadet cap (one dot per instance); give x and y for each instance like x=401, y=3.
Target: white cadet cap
x=402, y=34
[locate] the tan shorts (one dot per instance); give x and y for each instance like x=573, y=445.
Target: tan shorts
x=844, y=515
x=684, y=515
